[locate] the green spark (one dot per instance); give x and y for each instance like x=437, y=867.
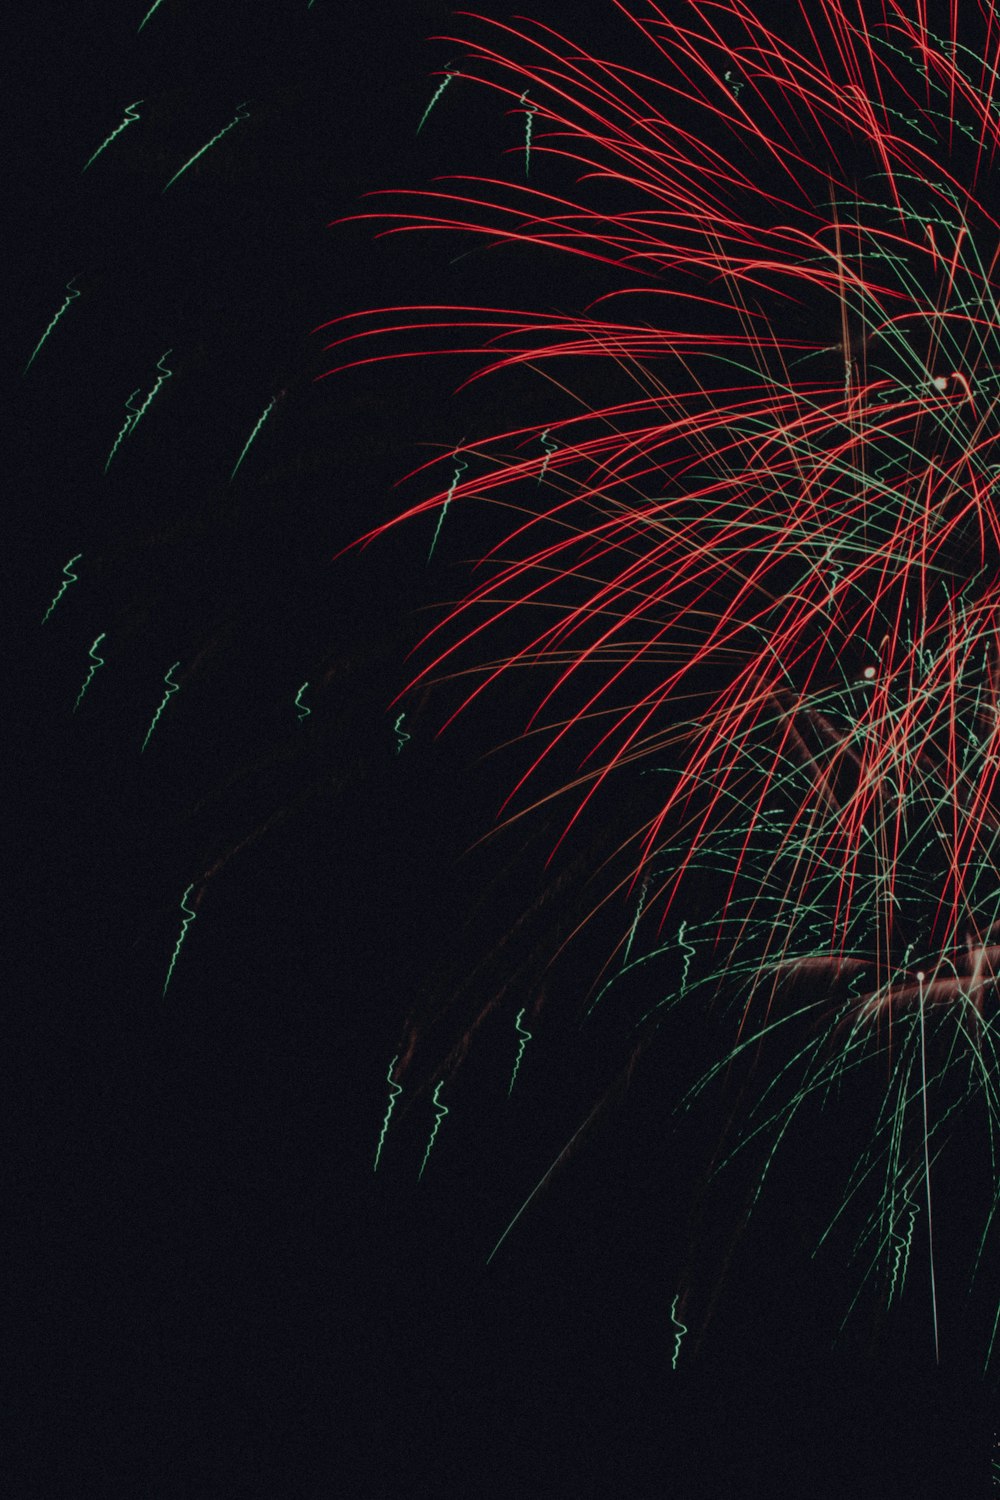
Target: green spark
x=130, y=418
x=163, y=376
x=401, y=734
x=172, y=687
x=442, y=1111
x=529, y=121
x=130, y=119
x=525, y=1038
x=68, y=578
x=635, y=922
x=304, y=710
x=155, y=6
x=550, y=446
x=55, y=320
x=189, y=916
x=135, y=414
x=689, y=953
x=436, y=96
x=98, y=661
x=682, y=1330
x=901, y=1258
x=460, y=466
x=398, y=1089
x=217, y=137
x=260, y=422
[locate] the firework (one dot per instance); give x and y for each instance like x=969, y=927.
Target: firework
x=764, y=576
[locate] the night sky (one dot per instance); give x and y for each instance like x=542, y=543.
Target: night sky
x=214, y=1294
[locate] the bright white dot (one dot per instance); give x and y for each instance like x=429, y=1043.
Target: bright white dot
x=869, y=673
x=920, y=975
x=941, y=383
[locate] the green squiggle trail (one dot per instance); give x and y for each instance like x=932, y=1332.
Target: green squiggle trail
x=442, y=1111
x=55, y=320
x=682, y=1330
x=189, y=916
x=525, y=1038
x=68, y=577
x=130, y=119
x=434, y=99
x=397, y=1090
x=172, y=687
x=98, y=662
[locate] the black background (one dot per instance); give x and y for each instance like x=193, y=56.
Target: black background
x=214, y=1293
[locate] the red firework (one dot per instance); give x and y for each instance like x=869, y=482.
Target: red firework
x=770, y=568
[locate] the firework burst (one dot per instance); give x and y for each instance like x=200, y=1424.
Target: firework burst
x=768, y=571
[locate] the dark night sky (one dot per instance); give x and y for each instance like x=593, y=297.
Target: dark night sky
x=215, y=1294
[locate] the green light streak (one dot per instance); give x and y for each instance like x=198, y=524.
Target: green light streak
x=688, y=952
x=635, y=923
x=135, y=414
x=401, y=734
x=69, y=577
x=130, y=418
x=129, y=119
x=189, y=916
x=55, y=320
x=260, y=422
x=397, y=1090
x=550, y=446
x=434, y=99
x=681, y=1331
x=901, y=1254
x=460, y=466
x=98, y=661
x=154, y=7
x=529, y=121
x=304, y=710
x=525, y=1038
x=163, y=376
x=217, y=137
x=172, y=687
x=442, y=1111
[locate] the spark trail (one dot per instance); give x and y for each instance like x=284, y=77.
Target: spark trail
x=442, y=1110
x=163, y=376
x=130, y=119
x=68, y=577
x=400, y=732
x=529, y=121
x=397, y=1089
x=149, y=14
x=304, y=710
x=98, y=661
x=189, y=915
x=259, y=424
x=72, y=294
x=434, y=99
x=172, y=687
x=524, y=1039
x=135, y=414
x=126, y=427
x=461, y=465
x=550, y=446
x=681, y=1331
x=237, y=118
